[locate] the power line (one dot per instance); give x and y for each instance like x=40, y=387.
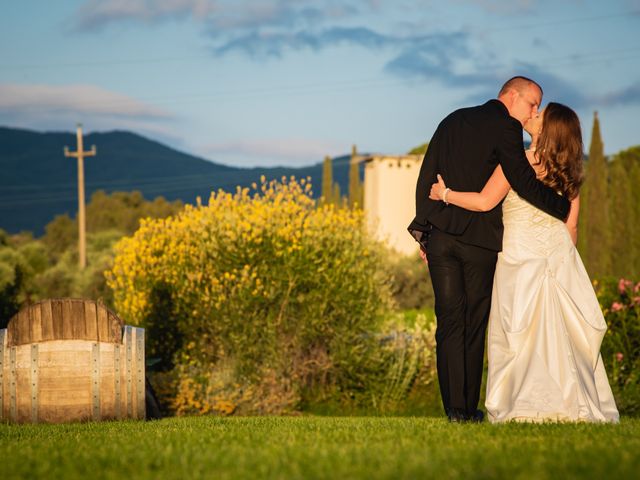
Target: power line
x=566, y=21
x=314, y=88
x=153, y=181
x=578, y=61
x=311, y=89
x=128, y=182
x=68, y=196
x=227, y=186
x=360, y=84
x=139, y=61
x=159, y=186
x=31, y=200
x=157, y=189
x=105, y=63
x=584, y=59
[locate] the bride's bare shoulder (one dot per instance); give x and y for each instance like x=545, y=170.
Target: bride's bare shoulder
x=533, y=161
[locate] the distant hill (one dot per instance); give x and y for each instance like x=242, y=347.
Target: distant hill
x=38, y=182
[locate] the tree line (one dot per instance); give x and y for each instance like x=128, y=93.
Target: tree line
x=609, y=223
x=32, y=269
x=331, y=190
x=35, y=268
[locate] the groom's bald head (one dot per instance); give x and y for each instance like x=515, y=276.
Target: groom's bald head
x=522, y=97
x=519, y=84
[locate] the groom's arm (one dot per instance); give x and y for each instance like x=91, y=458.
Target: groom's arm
x=427, y=175
x=522, y=177
x=424, y=205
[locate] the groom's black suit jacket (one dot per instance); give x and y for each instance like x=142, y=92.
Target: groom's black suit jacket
x=465, y=149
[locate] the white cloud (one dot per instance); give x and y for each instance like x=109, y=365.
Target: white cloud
x=81, y=99
x=505, y=7
x=282, y=151
x=220, y=16
x=59, y=108
x=97, y=13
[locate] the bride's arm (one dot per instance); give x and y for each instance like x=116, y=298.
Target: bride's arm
x=572, y=220
x=492, y=193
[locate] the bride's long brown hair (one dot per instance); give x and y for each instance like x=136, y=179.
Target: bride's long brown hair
x=559, y=150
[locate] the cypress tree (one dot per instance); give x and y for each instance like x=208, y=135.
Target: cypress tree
x=634, y=221
x=630, y=162
x=337, y=197
x=327, y=180
x=355, y=185
x=620, y=204
x=582, y=220
x=597, y=252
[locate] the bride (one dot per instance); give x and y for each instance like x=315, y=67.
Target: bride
x=545, y=326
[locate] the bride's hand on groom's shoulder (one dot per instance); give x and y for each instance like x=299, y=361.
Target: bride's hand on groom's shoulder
x=437, y=189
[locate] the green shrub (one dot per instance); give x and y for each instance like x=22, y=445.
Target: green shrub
x=22, y=259
x=65, y=279
x=411, y=283
x=620, y=302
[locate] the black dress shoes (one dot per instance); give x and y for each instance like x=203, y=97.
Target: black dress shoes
x=457, y=416
x=477, y=417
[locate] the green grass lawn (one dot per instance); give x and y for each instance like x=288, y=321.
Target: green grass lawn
x=319, y=447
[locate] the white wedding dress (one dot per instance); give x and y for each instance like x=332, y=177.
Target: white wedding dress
x=545, y=326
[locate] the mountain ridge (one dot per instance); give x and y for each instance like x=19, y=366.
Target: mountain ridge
x=125, y=161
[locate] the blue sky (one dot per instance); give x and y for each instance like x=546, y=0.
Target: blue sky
x=251, y=83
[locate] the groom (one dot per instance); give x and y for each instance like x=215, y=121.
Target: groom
x=462, y=246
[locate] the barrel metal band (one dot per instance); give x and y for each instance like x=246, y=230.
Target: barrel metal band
x=95, y=381
x=3, y=347
x=13, y=411
x=34, y=383
x=116, y=376
x=140, y=381
x=129, y=345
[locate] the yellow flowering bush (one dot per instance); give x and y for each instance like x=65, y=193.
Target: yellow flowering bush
x=264, y=280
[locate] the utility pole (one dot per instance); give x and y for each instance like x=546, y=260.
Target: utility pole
x=80, y=154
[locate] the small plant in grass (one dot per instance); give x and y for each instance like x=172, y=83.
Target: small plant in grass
x=408, y=358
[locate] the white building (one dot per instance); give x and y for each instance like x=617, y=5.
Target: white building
x=389, y=197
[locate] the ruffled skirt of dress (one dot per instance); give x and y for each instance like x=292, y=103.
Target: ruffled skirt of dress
x=545, y=332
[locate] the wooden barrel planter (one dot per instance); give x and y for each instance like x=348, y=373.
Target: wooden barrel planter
x=66, y=360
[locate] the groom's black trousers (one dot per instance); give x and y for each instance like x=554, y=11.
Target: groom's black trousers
x=462, y=278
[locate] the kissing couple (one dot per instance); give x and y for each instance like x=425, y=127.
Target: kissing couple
x=497, y=225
